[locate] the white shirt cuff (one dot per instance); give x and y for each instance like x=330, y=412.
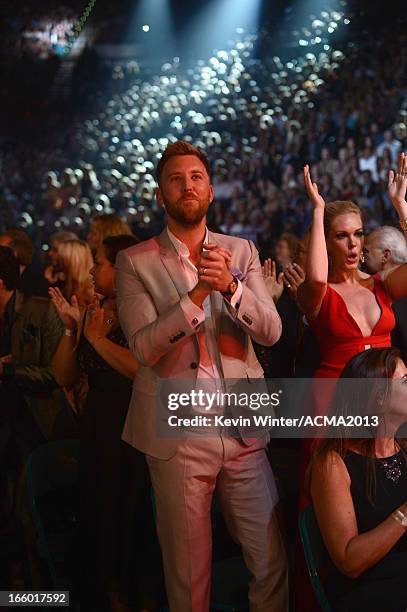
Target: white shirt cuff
x=193, y=314
x=234, y=301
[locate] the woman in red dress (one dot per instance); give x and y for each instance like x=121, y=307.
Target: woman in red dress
x=348, y=310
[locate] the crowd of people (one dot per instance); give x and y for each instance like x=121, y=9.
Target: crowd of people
x=73, y=354
x=340, y=110
x=42, y=34
x=80, y=216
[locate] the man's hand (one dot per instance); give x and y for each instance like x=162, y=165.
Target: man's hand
x=214, y=267
x=214, y=261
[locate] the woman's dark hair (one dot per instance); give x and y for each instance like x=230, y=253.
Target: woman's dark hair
x=9, y=268
x=21, y=244
x=374, y=368
x=114, y=244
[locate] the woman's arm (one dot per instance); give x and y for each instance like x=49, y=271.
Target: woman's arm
x=396, y=281
x=118, y=357
x=96, y=328
x=64, y=362
x=352, y=553
x=311, y=292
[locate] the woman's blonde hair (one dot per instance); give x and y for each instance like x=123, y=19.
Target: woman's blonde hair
x=339, y=207
x=76, y=261
x=109, y=225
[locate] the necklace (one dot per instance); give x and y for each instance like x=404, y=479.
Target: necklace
x=392, y=468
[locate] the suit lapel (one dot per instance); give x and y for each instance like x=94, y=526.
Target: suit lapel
x=171, y=262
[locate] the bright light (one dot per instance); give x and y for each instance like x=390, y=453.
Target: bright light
x=217, y=22
x=151, y=21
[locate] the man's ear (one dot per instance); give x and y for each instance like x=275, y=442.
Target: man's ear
x=2, y=287
x=386, y=255
x=211, y=194
x=159, y=196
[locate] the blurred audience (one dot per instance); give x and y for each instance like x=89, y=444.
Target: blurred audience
x=285, y=249
x=31, y=281
x=33, y=409
x=103, y=226
x=333, y=106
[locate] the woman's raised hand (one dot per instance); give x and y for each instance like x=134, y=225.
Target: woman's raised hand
x=312, y=190
x=69, y=313
x=97, y=324
x=397, y=185
x=274, y=283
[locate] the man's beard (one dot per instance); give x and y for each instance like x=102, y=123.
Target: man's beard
x=188, y=216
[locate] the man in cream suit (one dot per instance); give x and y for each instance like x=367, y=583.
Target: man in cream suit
x=189, y=302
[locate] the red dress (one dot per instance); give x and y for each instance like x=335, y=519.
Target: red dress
x=339, y=336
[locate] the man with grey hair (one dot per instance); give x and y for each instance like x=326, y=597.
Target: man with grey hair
x=386, y=248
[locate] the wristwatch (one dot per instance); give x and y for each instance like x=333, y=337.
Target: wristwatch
x=400, y=517
x=231, y=288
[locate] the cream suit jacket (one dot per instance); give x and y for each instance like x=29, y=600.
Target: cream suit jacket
x=150, y=283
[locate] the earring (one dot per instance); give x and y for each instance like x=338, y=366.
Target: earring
x=362, y=257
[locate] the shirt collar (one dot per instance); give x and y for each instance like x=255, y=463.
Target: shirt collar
x=180, y=246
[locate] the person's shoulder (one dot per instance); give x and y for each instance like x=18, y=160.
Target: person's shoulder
x=35, y=307
x=144, y=247
x=368, y=280
x=35, y=302
x=329, y=465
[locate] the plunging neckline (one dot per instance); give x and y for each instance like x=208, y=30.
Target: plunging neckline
x=353, y=319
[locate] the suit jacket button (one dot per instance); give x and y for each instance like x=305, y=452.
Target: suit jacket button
x=195, y=321
x=193, y=365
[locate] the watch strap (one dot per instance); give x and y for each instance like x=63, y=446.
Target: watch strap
x=233, y=285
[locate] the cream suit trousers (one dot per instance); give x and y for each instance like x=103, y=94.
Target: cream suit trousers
x=184, y=486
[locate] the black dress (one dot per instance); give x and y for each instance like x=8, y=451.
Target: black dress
x=383, y=587
x=296, y=353
x=115, y=485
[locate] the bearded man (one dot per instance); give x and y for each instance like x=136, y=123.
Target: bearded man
x=189, y=302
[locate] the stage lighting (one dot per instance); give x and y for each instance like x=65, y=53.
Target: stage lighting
x=152, y=17
x=219, y=21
